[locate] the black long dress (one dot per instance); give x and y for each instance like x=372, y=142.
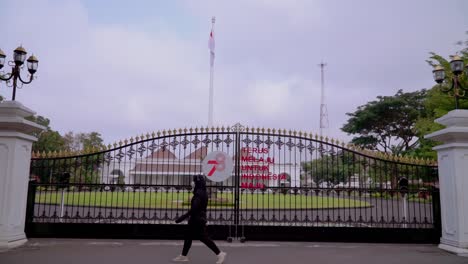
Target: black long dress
x=197, y=218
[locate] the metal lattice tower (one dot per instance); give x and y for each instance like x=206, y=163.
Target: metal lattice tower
x=323, y=107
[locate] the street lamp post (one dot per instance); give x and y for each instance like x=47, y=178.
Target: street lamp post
x=456, y=90
x=19, y=56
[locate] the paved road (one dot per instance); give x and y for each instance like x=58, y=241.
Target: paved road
x=59, y=251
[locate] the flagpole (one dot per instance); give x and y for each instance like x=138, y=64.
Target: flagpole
x=210, y=107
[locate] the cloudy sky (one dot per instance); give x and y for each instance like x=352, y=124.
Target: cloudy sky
x=123, y=68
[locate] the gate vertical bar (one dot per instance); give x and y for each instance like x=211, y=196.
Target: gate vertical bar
x=237, y=154
x=31, y=201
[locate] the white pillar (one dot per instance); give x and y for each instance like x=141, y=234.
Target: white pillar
x=15, y=159
x=453, y=180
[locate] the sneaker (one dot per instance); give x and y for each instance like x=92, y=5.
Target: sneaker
x=221, y=257
x=181, y=258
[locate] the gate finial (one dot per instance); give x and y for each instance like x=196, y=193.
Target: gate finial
x=238, y=127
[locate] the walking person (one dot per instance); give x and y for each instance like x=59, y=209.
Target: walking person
x=197, y=222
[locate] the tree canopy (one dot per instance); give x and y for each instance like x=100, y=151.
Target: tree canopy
x=80, y=141
x=438, y=103
x=387, y=123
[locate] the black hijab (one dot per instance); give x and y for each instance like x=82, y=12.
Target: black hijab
x=200, y=185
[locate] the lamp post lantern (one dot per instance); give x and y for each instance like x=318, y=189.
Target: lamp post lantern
x=19, y=56
x=456, y=88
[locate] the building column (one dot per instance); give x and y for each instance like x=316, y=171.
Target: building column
x=15, y=158
x=452, y=157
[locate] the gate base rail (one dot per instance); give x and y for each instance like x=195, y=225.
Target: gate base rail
x=222, y=232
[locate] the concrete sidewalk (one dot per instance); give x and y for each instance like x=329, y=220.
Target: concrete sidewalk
x=77, y=251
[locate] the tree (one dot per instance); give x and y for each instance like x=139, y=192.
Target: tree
x=388, y=123
x=437, y=103
x=47, y=140
x=88, y=170
x=81, y=141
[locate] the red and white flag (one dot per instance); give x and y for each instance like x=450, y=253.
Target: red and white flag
x=211, y=46
x=211, y=42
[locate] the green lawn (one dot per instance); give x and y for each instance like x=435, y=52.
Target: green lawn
x=181, y=200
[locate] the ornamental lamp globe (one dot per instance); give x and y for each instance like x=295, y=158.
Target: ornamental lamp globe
x=439, y=74
x=457, y=65
x=32, y=64
x=2, y=59
x=19, y=55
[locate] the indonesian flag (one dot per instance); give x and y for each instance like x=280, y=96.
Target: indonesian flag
x=211, y=46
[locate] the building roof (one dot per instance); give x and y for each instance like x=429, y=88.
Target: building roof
x=162, y=153
x=198, y=154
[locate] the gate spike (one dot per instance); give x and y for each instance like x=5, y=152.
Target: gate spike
x=164, y=132
x=212, y=129
x=294, y=132
x=402, y=158
x=202, y=129
x=196, y=129
x=131, y=139
x=222, y=129
x=217, y=129
x=125, y=141
x=185, y=130
x=109, y=146
x=268, y=130
x=153, y=134
x=169, y=132
x=158, y=133
x=300, y=133
x=174, y=131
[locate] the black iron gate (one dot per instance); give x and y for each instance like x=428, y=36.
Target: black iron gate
x=285, y=185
